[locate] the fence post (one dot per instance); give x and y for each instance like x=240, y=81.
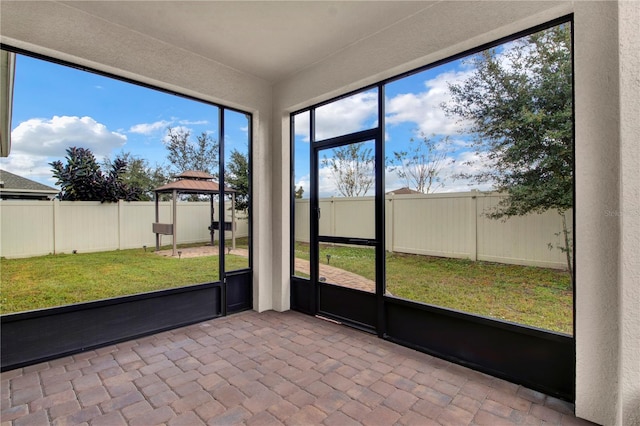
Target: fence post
x=474, y=225
x=56, y=224
x=390, y=223
x=121, y=237
x=332, y=217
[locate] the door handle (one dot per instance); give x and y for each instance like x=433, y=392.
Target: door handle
x=319, y=213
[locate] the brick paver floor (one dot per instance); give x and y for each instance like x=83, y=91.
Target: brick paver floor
x=266, y=369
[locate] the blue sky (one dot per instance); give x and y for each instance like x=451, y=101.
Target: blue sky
x=56, y=107
x=413, y=108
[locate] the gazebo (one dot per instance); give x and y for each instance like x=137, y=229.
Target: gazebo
x=191, y=182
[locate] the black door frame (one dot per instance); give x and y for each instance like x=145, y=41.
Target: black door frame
x=354, y=307
x=237, y=285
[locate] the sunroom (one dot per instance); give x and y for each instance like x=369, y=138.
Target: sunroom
x=297, y=74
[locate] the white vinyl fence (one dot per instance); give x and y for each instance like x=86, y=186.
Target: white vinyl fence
x=447, y=225
x=34, y=228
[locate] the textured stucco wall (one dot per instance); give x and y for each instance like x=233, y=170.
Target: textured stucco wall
x=597, y=192
x=608, y=222
x=629, y=29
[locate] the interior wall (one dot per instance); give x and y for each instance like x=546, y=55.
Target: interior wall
x=125, y=53
x=606, y=329
x=597, y=303
x=629, y=32
x=281, y=196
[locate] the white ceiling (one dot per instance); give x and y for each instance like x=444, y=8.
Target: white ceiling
x=271, y=40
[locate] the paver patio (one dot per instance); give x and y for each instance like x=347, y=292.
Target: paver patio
x=329, y=273
x=267, y=369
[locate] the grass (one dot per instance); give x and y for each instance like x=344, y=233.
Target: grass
x=55, y=280
x=539, y=297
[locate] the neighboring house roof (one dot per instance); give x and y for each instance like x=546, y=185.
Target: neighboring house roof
x=14, y=186
x=404, y=191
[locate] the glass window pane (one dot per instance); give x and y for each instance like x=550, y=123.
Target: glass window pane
x=479, y=183
x=346, y=185
x=348, y=266
x=106, y=249
x=348, y=115
x=301, y=188
x=237, y=178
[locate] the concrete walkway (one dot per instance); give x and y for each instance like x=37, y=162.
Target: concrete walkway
x=200, y=251
x=338, y=276
x=330, y=273
x=266, y=369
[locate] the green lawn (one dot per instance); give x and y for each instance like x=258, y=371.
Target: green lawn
x=538, y=297
x=47, y=281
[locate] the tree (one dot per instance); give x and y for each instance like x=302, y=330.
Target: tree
x=139, y=174
x=421, y=163
x=237, y=177
x=299, y=192
x=185, y=154
x=81, y=179
x=519, y=104
x=352, y=169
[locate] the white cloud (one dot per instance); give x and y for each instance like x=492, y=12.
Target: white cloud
x=328, y=188
x=36, y=142
x=392, y=181
x=359, y=111
x=301, y=123
x=326, y=183
x=176, y=130
x=348, y=115
x=148, y=128
x=50, y=138
x=305, y=183
x=192, y=123
x=424, y=108
x=468, y=162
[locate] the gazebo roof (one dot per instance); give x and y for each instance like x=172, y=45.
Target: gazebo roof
x=195, y=174
x=193, y=181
